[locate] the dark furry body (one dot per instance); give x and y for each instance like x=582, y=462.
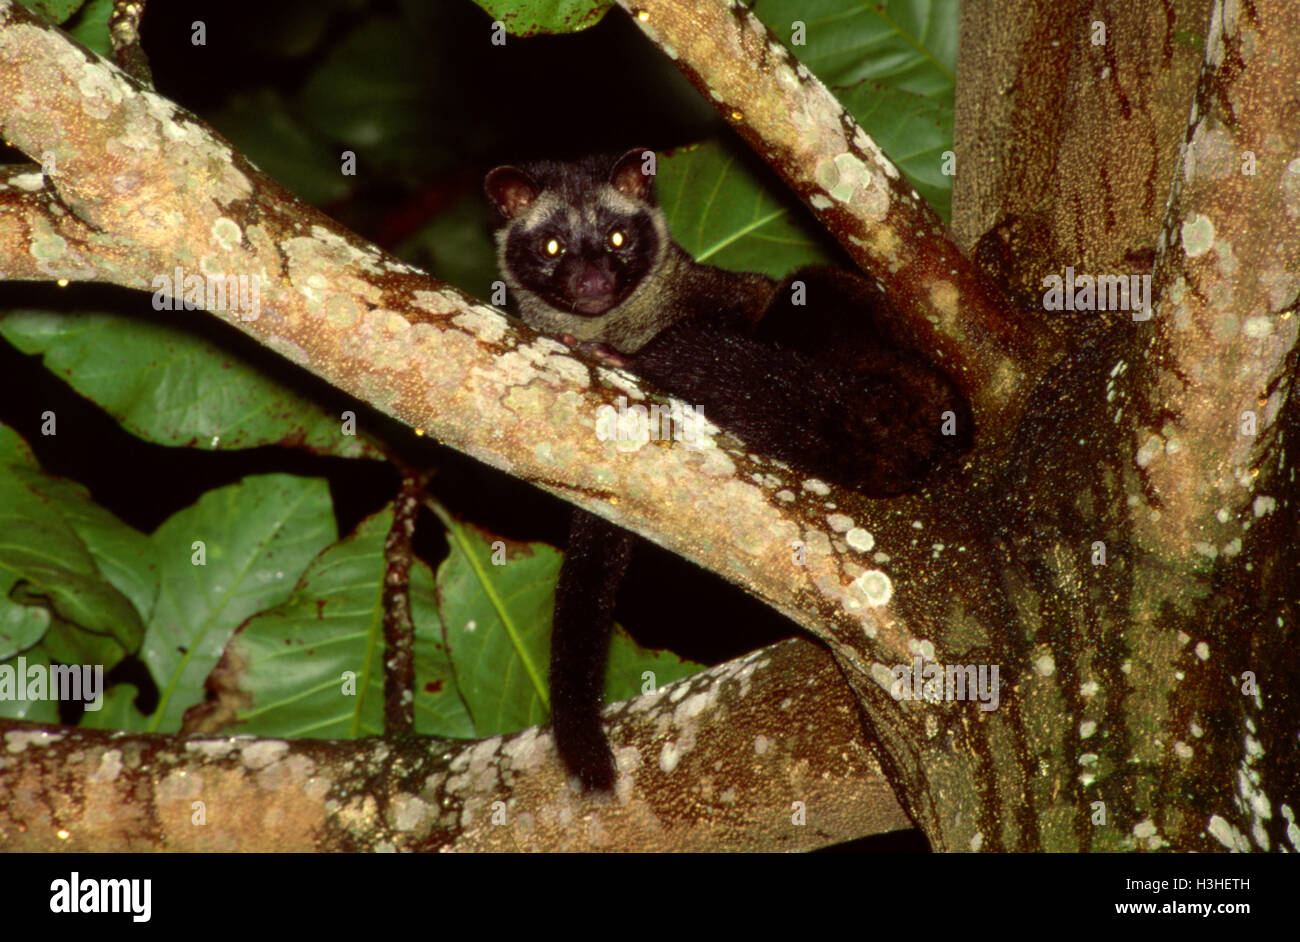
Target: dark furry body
x=823, y=386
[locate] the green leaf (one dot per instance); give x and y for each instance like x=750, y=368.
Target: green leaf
x=56, y=11
x=67, y=643
x=168, y=386
x=722, y=212
x=258, y=536
x=50, y=518
x=117, y=712
x=124, y=555
x=45, y=561
x=629, y=662
x=34, y=711
x=497, y=620
x=913, y=130
x=287, y=667
x=906, y=44
x=21, y=626
x=530, y=17
x=14, y=449
x=91, y=27
x=892, y=64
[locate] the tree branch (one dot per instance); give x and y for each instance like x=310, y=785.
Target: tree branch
x=731, y=752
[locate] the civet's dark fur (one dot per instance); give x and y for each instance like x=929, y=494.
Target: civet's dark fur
x=824, y=386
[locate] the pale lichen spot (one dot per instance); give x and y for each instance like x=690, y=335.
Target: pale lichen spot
x=570, y=371
x=1283, y=288
x=212, y=748
x=1182, y=750
x=944, y=297
x=860, y=539
x=840, y=523
x=1292, y=831
x=875, y=587
x=669, y=757
x=31, y=182
x=1198, y=235
x=1291, y=188
x=820, y=202
x=1263, y=505
x=817, y=487
x=1087, y=728
x=1226, y=834
x=260, y=754
x=883, y=676
x=1260, y=835
x=484, y=323
x=226, y=232
x=48, y=247
x=1152, y=447
x=786, y=77
x=1144, y=829
x=18, y=740
x=1257, y=328
x=976, y=842
x=1045, y=665
x=842, y=176
x=865, y=142
x=690, y=708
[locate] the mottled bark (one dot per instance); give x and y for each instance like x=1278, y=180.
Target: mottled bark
x=762, y=753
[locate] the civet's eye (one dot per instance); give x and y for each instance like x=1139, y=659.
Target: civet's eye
x=616, y=239
x=553, y=247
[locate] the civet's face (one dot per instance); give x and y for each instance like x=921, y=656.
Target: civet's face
x=580, y=237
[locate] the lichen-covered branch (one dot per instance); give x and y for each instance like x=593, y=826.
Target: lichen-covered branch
x=750, y=754
x=1210, y=413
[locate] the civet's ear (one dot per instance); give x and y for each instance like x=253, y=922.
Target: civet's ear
x=510, y=190
x=634, y=174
